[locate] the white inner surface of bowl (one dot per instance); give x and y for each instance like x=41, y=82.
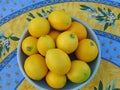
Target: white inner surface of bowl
x=42, y=85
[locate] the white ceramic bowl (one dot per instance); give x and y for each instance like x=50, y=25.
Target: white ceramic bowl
x=42, y=85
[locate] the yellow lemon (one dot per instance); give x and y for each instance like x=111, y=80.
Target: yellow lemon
x=67, y=41
x=87, y=50
x=58, y=61
x=39, y=26
x=35, y=67
x=79, y=72
x=54, y=34
x=29, y=45
x=79, y=29
x=45, y=42
x=59, y=20
x=56, y=80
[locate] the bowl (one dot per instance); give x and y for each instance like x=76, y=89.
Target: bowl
x=42, y=85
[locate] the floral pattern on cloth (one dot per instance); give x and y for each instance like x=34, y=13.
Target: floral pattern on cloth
x=5, y=42
x=103, y=16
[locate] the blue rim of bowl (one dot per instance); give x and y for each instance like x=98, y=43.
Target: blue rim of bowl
x=78, y=87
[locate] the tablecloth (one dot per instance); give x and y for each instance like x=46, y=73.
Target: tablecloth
x=103, y=16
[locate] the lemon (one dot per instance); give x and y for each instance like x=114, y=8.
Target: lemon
x=55, y=80
x=79, y=72
x=39, y=26
x=58, y=61
x=79, y=29
x=29, y=45
x=35, y=67
x=67, y=41
x=45, y=42
x=87, y=50
x=54, y=34
x=59, y=20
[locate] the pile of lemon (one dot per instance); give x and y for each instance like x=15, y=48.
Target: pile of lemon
x=49, y=46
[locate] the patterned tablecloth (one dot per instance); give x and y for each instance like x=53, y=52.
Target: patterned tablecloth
x=101, y=15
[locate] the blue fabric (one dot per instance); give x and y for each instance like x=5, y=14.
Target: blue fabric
x=110, y=47
x=9, y=6
x=10, y=75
